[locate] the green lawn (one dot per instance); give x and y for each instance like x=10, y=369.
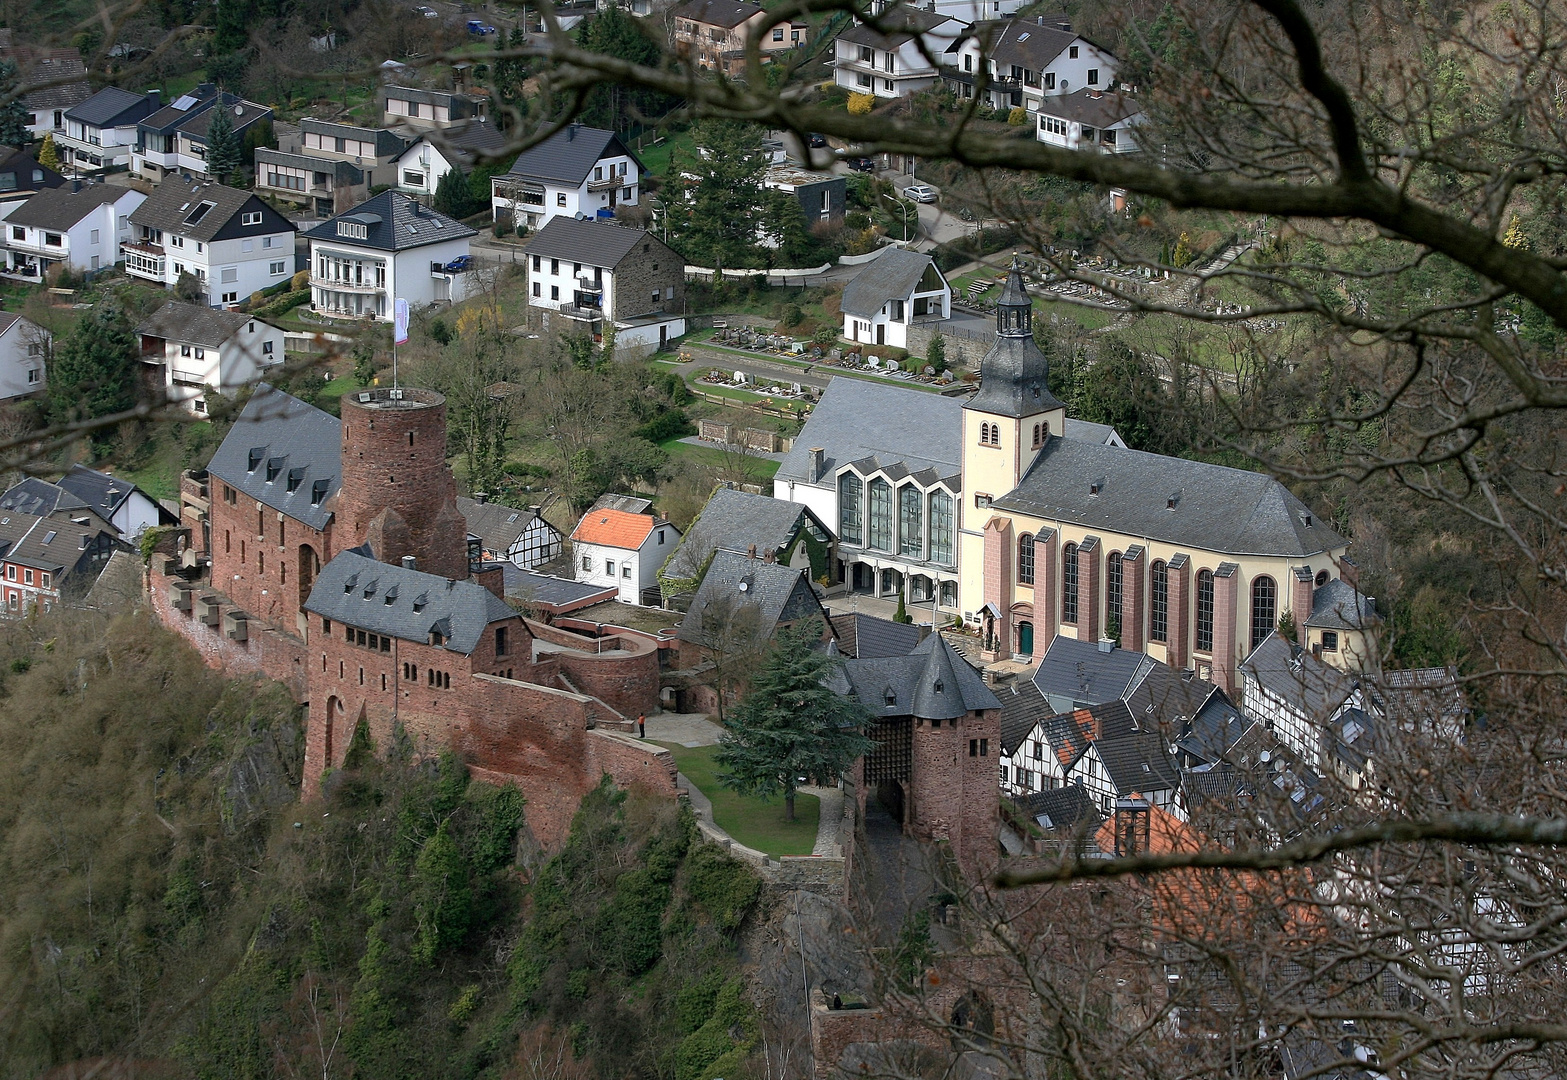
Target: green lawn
x=761, y=468
x=752, y=822
x=656, y=158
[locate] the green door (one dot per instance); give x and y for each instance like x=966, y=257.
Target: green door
x=1025, y=639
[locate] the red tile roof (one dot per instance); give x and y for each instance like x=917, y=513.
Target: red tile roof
x=614, y=528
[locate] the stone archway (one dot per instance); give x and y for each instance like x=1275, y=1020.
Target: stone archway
x=309, y=568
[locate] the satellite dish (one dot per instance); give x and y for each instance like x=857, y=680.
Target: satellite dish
x=239, y=110
x=1264, y=757
x=744, y=585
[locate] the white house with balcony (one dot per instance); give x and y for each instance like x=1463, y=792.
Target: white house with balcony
x=894, y=63
x=895, y=290
x=388, y=247
x=1030, y=60
x=578, y=170
x=229, y=239
x=1090, y=120
x=79, y=224
x=174, y=139
x=100, y=133
x=423, y=165
x=193, y=349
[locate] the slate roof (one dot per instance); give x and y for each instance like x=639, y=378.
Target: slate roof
x=1214, y=728
x=1084, y=107
x=1078, y=671
x=1138, y=763
x=568, y=156
x=202, y=97
x=903, y=25
x=1312, y=688
x=1026, y=43
x=614, y=528
x=394, y=222
x=60, y=207
x=725, y=13
x=557, y=593
x=766, y=592
x=933, y=682
x=196, y=323
x=631, y=504
x=113, y=107
x=1338, y=605
x=242, y=114
x=465, y=141
x=172, y=203
x=496, y=524
x=31, y=495
x=359, y=591
x=892, y=275
x=1165, y=696
x=343, y=172
x=430, y=97
x=864, y=636
x=590, y=242
x=308, y=442
x=41, y=542
x=1070, y=733
x=1217, y=508
x=1022, y=709
x=21, y=164
x=1424, y=697
x=8, y=319
x=102, y=492
x=1062, y=807
x=878, y=424
x=50, y=65
x=735, y=520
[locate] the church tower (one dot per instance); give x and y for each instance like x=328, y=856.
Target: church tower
x=1014, y=413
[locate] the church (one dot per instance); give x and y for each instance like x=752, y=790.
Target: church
x=1025, y=523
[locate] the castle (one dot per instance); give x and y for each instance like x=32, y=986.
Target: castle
x=331, y=555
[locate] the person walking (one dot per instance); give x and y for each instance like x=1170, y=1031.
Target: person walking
x=642, y=726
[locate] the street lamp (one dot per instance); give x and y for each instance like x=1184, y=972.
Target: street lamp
x=901, y=205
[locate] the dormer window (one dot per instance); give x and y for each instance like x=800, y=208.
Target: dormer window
x=349, y=583
x=1096, y=487
x=890, y=696
x=274, y=467
x=353, y=230
x=257, y=453
x=295, y=478
x=318, y=492
x=391, y=595
x=937, y=687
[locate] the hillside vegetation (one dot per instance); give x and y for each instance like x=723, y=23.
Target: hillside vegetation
x=164, y=899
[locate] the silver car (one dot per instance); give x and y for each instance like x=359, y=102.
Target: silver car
x=920, y=193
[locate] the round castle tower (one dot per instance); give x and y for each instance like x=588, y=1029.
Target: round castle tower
x=397, y=492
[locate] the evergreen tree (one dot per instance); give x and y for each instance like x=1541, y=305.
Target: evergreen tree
x=13, y=114
x=223, y=160
x=785, y=222
x=791, y=724
x=453, y=197
x=94, y=371
x=48, y=154
x=613, y=32
x=715, y=214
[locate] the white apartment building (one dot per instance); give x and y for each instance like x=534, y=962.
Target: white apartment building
x=194, y=349
x=1030, y=61
x=80, y=224
x=100, y=133
x=24, y=356
x=577, y=171
x=423, y=165
x=387, y=248
x=229, y=239
x=430, y=108
x=894, y=64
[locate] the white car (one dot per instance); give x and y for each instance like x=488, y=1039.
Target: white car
x=427, y=12
x=920, y=193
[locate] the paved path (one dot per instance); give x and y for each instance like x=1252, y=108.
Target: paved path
x=708, y=444
x=687, y=729
x=827, y=824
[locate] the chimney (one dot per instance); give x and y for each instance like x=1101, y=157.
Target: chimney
x=76, y=184
x=410, y=563
x=480, y=496
x=750, y=551
x=571, y=131
x=818, y=463
x=770, y=555
x=1349, y=572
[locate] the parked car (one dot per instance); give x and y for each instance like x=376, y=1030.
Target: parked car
x=460, y=264
x=816, y=141
x=920, y=193
x=861, y=164
x=478, y=26
x=427, y=11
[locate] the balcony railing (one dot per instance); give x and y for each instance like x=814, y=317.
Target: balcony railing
x=144, y=260
x=346, y=286
x=191, y=378
x=608, y=182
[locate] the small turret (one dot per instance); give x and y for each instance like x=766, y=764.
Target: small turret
x=1014, y=375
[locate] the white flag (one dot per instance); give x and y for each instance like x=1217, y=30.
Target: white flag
x=399, y=321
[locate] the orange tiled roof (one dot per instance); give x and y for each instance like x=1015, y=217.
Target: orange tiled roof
x=613, y=528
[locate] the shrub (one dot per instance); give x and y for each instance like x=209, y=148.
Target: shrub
x=861, y=104
x=1018, y=116
x=300, y=281
x=792, y=315
x=721, y=886
x=937, y=357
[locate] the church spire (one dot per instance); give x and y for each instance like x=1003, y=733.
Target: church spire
x=1015, y=311
x=1014, y=376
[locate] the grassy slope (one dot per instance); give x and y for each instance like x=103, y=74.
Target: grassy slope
x=752, y=822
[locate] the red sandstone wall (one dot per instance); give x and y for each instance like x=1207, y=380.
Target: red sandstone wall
x=265, y=651
x=256, y=556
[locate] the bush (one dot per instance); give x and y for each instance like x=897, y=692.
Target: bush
x=792, y=316
x=721, y=886
x=283, y=304
x=1018, y=116
x=300, y=281
x=861, y=104
x=670, y=424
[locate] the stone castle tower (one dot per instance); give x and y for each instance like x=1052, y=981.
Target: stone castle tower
x=398, y=493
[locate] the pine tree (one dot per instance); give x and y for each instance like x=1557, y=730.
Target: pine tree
x=223, y=160
x=94, y=369
x=791, y=724
x=13, y=114
x=48, y=154
x=453, y=197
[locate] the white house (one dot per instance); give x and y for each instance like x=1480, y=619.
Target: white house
x=413, y=107
x=419, y=168
x=24, y=356
x=174, y=139
x=894, y=64
x=895, y=290
x=1090, y=120
x=79, y=224
x=118, y=501
x=234, y=243
x=44, y=68
x=1030, y=60
x=601, y=275
x=195, y=348
x=386, y=248
x=577, y=171
x=621, y=550
x=101, y=132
